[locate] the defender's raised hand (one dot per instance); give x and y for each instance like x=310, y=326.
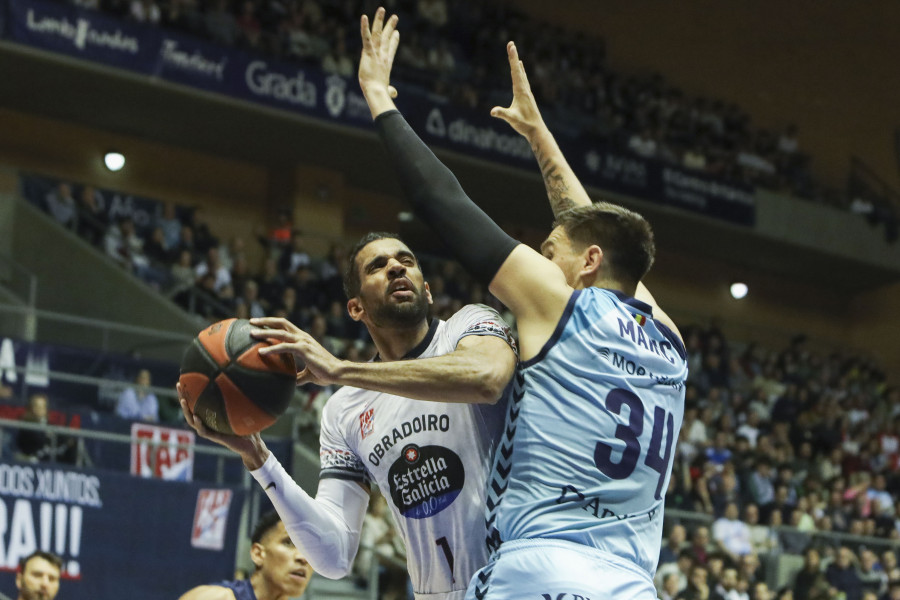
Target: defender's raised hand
x=380, y=42
x=523, y=114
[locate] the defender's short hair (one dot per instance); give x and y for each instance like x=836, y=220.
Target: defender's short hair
x=625, y=237
x=352, y=281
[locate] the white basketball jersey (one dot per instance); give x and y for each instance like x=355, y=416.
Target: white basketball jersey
x=430, y=460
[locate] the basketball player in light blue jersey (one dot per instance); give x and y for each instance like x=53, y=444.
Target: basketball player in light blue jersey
x=577, y=491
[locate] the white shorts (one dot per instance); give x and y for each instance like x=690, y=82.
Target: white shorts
x=558, y=570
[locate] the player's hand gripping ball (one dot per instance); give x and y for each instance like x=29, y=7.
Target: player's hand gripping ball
x=229, y=385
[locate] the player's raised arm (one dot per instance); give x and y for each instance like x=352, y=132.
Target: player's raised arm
x=476, y=372
x=438, y=199
x=563, y=188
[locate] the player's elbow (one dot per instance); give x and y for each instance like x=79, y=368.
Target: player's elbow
x=491, y=384
x=333, y=571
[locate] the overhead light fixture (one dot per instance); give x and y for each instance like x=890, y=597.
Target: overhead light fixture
x=405, y=216
x=739, y=290
x=114, y=161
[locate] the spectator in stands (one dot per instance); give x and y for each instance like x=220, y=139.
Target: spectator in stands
x=295, y=256
x=337, y=61
x=810, y=582
x=700, y=545
x=889, y=564
x=669, y=553
x=186, y=242
x=309, y=294
x=271, y=285
x=220, y=24
x=761, y=485
x=38, y=445
x=871, y=576
x=181, y=275
x=138, y=402
x=724, y=487
x=62, y=207
x=893, y=590
x=681, y=569
x=170, y=224
x=203, y=237
x=278, y=237
x=92, y=219
x=203, y=299
x=145, y=11
x=249, y=25
x=697, y=587
x=669, y=589
x=749, y=568
x=38, y=575
x=643, y=144
x=232, y=252
x=123, y=245
x=881, y=499
x=213, y=265
x=841, y=574
x=761, y=591
x=731, y=534
x=727, y=588
x=250, y=299
x=157, y=253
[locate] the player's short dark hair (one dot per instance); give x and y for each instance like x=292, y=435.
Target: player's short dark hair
x=625, y=237
x=265, y=523
x=48, y=556
x=352, y=281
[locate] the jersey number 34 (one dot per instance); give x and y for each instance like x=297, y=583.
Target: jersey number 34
x=630, y=434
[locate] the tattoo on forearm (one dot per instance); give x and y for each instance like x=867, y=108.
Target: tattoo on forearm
x=555, y=182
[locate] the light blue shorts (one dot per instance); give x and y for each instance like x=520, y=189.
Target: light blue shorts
x=558, y=570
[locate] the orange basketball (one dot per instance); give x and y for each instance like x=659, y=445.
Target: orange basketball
x=229, y=385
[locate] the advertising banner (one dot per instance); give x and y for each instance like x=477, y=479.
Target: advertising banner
x=161, y=537
x=310, y=92
x=85, y=34
x=157, y=452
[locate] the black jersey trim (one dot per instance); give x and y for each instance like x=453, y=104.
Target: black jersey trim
x=426, y=341
x=421, y=346
x=673, y=339
x=557, y=333
x=345, y=476
x=632, y=302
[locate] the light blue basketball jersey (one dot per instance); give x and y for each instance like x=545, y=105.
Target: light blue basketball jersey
x=590, y=432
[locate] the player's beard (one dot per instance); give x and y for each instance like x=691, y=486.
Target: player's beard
x=401, y=315
x=33, y=594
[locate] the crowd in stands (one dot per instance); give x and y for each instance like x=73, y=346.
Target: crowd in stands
x=462, y=60
x=781, y=450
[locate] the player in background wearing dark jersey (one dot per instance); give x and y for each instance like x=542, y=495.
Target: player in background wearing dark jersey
x=281, y=570
x=423, y=430
x=577, y=488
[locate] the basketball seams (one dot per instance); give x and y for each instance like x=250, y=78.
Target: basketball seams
x=229, y=385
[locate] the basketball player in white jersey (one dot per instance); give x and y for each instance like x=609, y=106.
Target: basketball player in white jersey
x=423, y=431
x=576, y=494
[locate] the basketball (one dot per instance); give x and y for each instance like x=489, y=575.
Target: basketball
x=229, y=385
